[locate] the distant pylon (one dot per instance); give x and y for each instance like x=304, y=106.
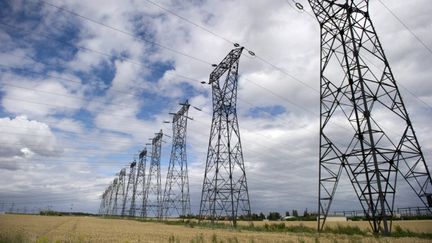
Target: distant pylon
x=359, y=94
x=129, y=188
x=113, y=188
x=176, y=199
x=225, y=188
x=139, y=186
x=120, y=192
x=153, y=196
x=104, y=201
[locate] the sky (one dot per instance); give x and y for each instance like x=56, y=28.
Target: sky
x=85, y=84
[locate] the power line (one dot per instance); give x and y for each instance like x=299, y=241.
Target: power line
x=268, y=62
x=182, y=76
x=406, y=26
x=101, y=53
x=189, y=21
x=124, y=32
x=231, y=42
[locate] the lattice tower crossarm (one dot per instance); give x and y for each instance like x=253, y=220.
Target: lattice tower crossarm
x=176, y=199
x=225, y=192
x=153, y=196
x=359, y=94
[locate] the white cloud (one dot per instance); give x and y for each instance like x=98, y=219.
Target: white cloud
x=23, y=138
x=38, y=97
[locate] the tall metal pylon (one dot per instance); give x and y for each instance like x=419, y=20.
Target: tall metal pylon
x=139, y=186
x=359, y=94
x=153, y=196
x=176, y=199
x=109, y=210
x=104, y=201
x=129, y=187
x=225, y=190
x=120, y=191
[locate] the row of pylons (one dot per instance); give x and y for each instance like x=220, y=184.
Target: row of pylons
x=137, y=192
x=358, y=93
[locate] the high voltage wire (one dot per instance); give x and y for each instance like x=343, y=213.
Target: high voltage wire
x=185, y=19
x=275, y=66
x=188, y=78
x=246, y=102
x=251, y=81
x=194, y=24
x=117, y=153
x=240, y=99
x=123, y=32
x=231, y=42
x=101, y=53
x=406, y=26
x=190, y=22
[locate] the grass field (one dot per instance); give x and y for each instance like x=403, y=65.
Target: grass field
x=31, y=228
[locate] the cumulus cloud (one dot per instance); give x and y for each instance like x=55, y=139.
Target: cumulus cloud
x=23, y=138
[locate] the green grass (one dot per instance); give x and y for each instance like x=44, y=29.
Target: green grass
x=399, y=232
x=346, y=230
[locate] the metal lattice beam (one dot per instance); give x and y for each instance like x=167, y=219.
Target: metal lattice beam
x=359, y=94
x=225, y=192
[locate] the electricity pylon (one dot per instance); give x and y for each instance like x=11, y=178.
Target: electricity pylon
x=176, y=197
x=104, y=201
x=120, y=191
x=110, y=209
x=359, y=94
x=153, y=197
x=139, y=186
x=130, y=185
x=225, y=188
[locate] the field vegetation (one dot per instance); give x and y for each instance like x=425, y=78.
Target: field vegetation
x=37, y=228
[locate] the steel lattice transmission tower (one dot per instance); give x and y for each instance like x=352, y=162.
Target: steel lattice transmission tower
x=153, y=195
x=176, y=197
x=129, y=187
x=225, y=192
x=359, y=94
x=120, y=191
x=113, y=188
x=139, y=186
x=105, y=199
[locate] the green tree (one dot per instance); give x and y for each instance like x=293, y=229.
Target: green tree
x=274, y=216
x=305, y=213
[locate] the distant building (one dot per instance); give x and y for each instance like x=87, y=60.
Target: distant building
x=288, y=217
x=336, y=218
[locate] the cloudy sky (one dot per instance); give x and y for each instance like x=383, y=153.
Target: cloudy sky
x=85, y=84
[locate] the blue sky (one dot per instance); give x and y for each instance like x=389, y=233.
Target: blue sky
x=79, y=98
